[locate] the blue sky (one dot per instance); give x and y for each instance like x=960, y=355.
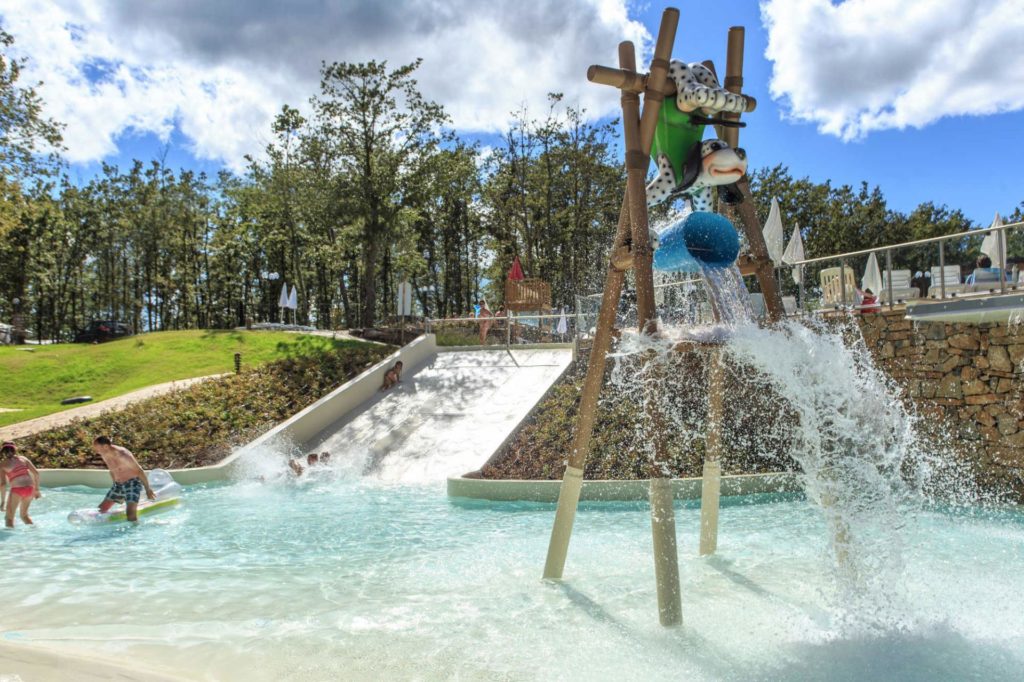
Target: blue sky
x=966, y=162
x=185, y=79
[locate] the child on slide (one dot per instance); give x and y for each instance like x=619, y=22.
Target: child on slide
x=392, y=376
x=24, y=479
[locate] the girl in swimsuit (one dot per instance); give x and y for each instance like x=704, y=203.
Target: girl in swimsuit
x=24, y=480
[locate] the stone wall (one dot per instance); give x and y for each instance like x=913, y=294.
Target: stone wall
x=966, y=381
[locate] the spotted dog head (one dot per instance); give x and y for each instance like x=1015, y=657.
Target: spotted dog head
x=720, y=164
x=711, y=163
x=698, y=88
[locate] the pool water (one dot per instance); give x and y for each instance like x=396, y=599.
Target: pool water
x=349, y=578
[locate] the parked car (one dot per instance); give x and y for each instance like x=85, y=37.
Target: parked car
x=99, y=331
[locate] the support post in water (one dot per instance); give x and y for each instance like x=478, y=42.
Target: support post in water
x=633, y=228
x=765, y=270
x=711, y=480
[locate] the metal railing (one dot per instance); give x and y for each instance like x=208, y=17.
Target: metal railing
x=517, y=327
x=843, y=258
x=679, y=301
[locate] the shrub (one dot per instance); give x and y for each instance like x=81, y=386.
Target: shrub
x=755, y=433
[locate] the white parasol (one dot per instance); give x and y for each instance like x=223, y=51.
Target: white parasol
x=774, y=237
x=794, y=252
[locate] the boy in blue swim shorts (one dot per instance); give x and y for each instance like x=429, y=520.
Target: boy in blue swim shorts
x=129, y=478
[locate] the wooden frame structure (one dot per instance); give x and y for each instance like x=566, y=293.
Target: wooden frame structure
x=632, y=236
x=527, y=294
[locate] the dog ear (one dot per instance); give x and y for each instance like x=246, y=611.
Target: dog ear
x=730, y=195
x=692, y=167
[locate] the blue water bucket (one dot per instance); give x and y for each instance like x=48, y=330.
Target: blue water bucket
x=699, y=239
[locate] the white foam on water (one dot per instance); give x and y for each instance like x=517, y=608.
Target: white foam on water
x=863, y=464
x=852, y=438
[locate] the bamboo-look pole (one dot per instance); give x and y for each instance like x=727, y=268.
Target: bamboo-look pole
x=712, y=475
x=572, y=481
x=764, y=271
x=637, y=82
x=663, y=525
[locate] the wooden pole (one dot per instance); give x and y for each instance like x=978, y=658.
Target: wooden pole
x=663, y=526
x=712, y=475
x=764, y=269
x=572, y=481
x=637, y=82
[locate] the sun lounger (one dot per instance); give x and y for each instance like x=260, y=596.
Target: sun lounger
x=950, y=275
x=901, y=289
x=832, y=287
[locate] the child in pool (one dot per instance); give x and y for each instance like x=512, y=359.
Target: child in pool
x=312, y=459
x=24, y=479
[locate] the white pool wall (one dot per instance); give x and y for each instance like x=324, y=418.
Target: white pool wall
x=299, y=428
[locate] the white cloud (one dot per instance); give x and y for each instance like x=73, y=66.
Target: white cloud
x=865, y=65
x=219, y=71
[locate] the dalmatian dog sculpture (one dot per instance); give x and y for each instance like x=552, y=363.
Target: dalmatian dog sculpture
x=709, y=164
x=688, y=166
x=698, y=88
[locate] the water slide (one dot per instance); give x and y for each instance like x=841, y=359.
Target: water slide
x=450, y=412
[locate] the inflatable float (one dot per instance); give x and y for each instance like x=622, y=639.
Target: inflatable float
x=166, y=490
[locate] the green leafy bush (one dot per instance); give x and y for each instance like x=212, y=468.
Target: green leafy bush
x=755, y=434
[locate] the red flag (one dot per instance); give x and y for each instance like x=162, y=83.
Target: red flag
x=516, y=272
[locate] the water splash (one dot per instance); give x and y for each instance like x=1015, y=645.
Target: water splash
x=856, y=442
x=852, y=437
x=267, y=463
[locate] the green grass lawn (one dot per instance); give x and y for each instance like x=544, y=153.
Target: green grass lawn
x=37, y=381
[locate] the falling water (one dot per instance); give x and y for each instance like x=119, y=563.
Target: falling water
x=855, y=441
x=852, y=438
x=728, y=296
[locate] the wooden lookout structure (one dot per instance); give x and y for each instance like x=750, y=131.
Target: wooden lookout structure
x=632, y=236
x=527, y=295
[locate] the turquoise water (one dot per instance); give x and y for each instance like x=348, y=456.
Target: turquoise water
x=354, y=579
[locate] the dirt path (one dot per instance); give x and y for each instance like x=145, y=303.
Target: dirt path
x=33, y=426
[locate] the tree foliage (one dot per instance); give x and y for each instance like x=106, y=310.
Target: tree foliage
x=364, y=191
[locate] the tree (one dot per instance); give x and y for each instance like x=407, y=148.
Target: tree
x=552, y=197
x=29, y=154
x=382, y=132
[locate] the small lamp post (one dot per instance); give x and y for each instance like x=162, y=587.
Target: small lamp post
x=271, y=277
x=19, y=322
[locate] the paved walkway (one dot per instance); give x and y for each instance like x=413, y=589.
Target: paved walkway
x=50, y=421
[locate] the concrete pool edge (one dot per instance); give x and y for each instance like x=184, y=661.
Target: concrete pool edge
x=519, y=490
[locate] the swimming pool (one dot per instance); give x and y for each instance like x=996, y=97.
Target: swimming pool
x=351, y=578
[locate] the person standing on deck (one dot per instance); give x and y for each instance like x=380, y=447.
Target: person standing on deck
x=486, y=320
x=24, y=479
x=129, y=478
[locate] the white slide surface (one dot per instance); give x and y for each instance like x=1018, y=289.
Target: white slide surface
x=446, y=417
